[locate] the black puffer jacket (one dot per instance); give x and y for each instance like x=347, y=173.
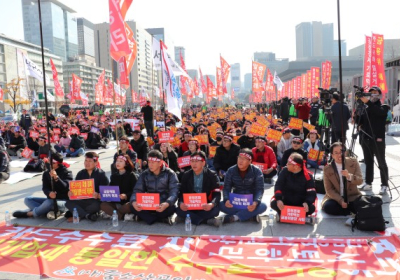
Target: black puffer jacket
x=4, y=162
x=294, y=189
x=77, y=142
x=126, y=182
x=224, y=159
x=166, y=184
x=141, y=147
x=62, y=184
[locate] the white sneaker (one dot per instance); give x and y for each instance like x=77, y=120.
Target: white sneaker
x=383, y=190
x=348, y=221
x=129, y=217
x=105, y=216
x=366, y=187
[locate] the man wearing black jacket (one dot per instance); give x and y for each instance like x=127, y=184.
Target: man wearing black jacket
x=314, y=110
x=296, y=148
x=25, y=121
x=226, y=155
x=337, y=118
x=76, y=147
x=17, y=144
x=88, y=208
x=4, y=165
x=200, y=179
x=372, y=136
x=284, y=109
x=40, y=206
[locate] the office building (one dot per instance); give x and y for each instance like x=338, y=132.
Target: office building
x=12, y=67
x=343, y=45
x=314, y=39
x=193, y=73
x=391, y=50
x=236, y=83
x=273, y=64
x=178, y=51
x=248, y=82
x=85, y=37
x=60, y=33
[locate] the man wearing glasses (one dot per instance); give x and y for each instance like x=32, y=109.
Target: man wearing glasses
x=200, y=179
x=297, y=147
x=243, y=178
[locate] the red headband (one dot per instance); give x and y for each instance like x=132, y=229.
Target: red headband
x=154, y=159
x=199, y=158
x=228, y=137
x=193, y=142
x=122, y=157
x=305, y=170
x=246, y=156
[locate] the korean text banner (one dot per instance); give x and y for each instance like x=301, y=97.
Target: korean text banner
x=79, y=255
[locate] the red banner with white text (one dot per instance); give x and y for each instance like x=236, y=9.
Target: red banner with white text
x=258, y=71
x=57, y=87
x=367, y=63
x=378, y=64
x=225, y=69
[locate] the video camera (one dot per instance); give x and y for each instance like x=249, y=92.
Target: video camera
x=325, y=96
x=360, y=93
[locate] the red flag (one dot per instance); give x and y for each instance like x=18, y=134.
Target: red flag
x=123, y=72
x=219, y=82
x=308, y=83
x=315, y=81
x=304, y=85
x=233, y=94
x=119, y=45
x=298, y=89
x=328, y=74
x=196, y=87
x=323, y=75
x=1, y=94
x=134, y=97
x=258, y=71
x=225, y=69
x=183, y=79
x=57, y=86
x=109, y=94
x=76, y=87
x=203, y=83
x=125, y=7
x=378, y=68
x=100, y=88
x=211, y=91
x=367, y=63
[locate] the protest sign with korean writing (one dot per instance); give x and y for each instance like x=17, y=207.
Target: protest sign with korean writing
x=56, y=131
x=194, y=201
x=314, y=154
x=262, y=166
x=213, y=150
x=274, y=135
x=148, y=201
x=184, y=161
x=81, y=189
x=258, y=130
x=202, y=139
x=110, y=193
x=34, y=134
x=296, y=123
x=27, y=153
x=165, y=136
x=241, y=201
x=293, y=215
x=84, y=135
x=308, y=126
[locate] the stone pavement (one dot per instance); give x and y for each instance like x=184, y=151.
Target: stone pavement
x=12, y=199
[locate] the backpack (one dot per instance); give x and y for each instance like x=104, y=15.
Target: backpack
x=368, y=214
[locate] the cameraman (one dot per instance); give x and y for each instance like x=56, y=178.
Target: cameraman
x=337, y=118
x=314, y=110
x=372, y=135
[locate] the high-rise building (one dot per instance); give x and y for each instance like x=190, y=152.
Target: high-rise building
x=343, y=46
x=273, y=64
x=236, y=83
x=142, y=75
x=391, y=49
x=85, y=37
x=178, y=52
x=158, y=33
x=314, y=39
x=193, y=73
x=247, y=82
x=60, y=34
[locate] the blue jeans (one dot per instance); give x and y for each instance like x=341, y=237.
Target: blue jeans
x=314, y=163
x=243, y=214
x=76, y=153
x=60, y=149
x=40, y=206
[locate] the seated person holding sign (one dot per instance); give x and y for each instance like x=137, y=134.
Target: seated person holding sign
x=160, y=181
x=226, y=155
x=294, y=187
x=125, y=179
x=313, y=144
x=264, y=154
x=243, y=179
x=88, y=208
x=199, y=180
x=296, y=148
x=333, y=202
x=42, y=206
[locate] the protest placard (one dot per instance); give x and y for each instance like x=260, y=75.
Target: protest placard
x=165, y=136
x=194, y=201
x=109, y=193
x=262, y=166
x=184, y=161
x=148, y=201
x=26, y=153
x=274, y=135
x=258, y=130
x=241, y=201
x=34, y=134
x=296, y=123
x=293, y=215
x=313, y=155
x=81, y=189
x=202, y=139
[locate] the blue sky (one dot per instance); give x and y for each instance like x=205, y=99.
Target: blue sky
x=234, y=28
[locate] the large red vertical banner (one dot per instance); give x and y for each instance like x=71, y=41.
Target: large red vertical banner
x=378, y=79
x=294, y=87
x=304, y=85
x=258, y=71
x=315, y=81
x=219, y=83
x=328, y=75
x=367, y=63
x=323, y=75
x=299, y=87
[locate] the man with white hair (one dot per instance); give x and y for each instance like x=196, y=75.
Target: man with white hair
x=372, y=134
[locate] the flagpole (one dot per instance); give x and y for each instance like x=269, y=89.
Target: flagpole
x=115, y=113
x=55, y=205
x=162, y=82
